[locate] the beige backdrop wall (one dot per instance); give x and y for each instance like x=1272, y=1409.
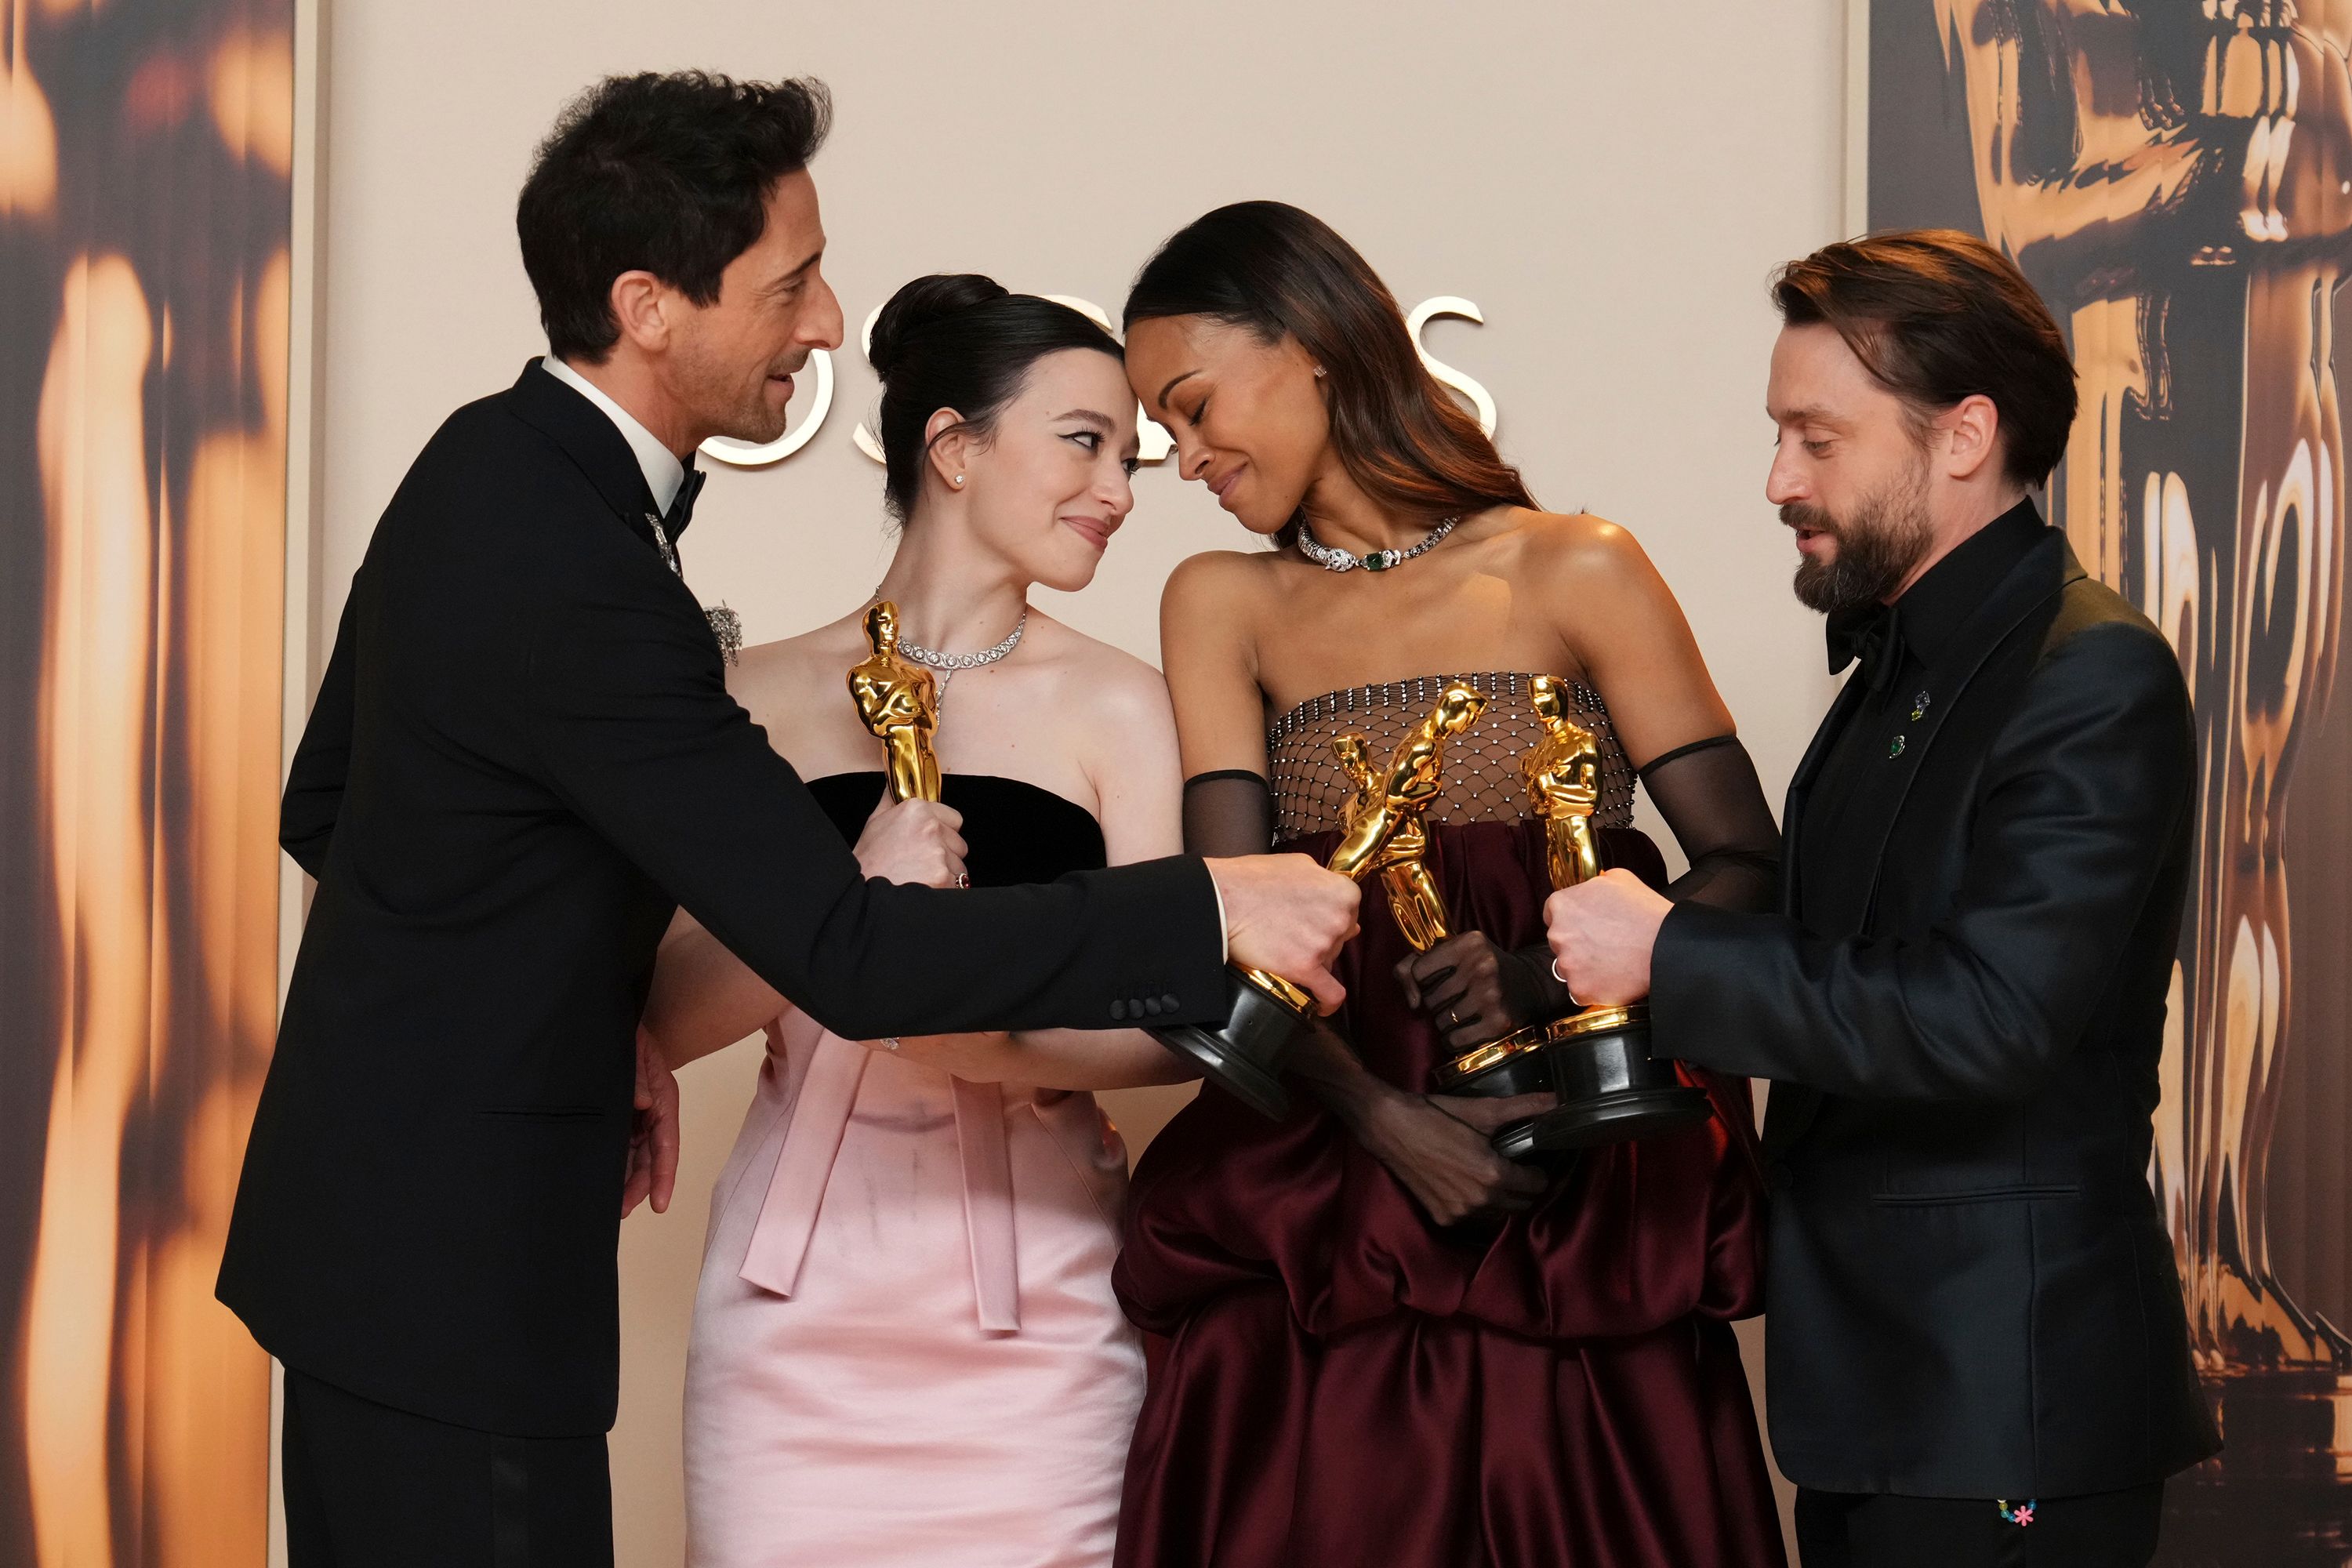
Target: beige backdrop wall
x=1608, y=184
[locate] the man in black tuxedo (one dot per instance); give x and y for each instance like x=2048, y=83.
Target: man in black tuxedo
x=522, y=758
x=1976, y=1350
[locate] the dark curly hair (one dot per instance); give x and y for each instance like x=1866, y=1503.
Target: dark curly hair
x=959, y=340
x=668, y=173
x=1282, y=272
x=1937, y=316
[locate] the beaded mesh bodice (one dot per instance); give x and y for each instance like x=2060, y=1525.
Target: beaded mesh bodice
x=1482, y=764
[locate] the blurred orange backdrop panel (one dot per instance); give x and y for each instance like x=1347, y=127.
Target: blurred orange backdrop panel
x=145, y=208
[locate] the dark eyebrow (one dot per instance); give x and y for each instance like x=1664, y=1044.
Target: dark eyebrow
x=1172, y=384
x=790, y=278
x=1811, y=413
x=1089, y=416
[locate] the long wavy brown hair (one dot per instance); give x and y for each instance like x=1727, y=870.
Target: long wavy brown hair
x=1282, y=272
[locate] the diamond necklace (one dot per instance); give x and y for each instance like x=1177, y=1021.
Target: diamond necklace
x=949, y=663
x=1331, y=558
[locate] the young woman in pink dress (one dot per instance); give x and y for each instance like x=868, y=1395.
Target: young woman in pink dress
x=906, y=1349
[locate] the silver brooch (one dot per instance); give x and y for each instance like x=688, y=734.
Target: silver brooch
x=662, y=543
x=728, y=627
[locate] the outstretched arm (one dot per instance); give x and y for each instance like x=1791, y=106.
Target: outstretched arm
x=1135, y=788
x=627, y=712
x=631, y=721
x=704, y=998
x=2085, y=795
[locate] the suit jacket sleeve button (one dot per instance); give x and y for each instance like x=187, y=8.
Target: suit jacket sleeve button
x=1169, y=1003
x=1151, y=1006
x=1119, y=1009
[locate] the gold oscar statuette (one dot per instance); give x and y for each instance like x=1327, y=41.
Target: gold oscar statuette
x=1596, y=1060
x=1384, y=834
x=900, y=704
x=1563, y=777
x=1385, y=831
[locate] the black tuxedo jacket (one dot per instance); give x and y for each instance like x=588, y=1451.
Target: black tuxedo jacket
x=522, y=759
x=1971, y=1293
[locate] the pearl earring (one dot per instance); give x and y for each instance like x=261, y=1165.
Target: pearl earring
x=959, y=479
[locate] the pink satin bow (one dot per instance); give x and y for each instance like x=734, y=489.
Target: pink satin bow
x=828, y=1094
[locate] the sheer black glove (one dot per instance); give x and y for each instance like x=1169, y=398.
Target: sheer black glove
x=1228, y=814
x=1709, y=794
x=1475, y=990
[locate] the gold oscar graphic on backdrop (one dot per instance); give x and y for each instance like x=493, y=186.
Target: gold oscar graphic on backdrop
x=1597, y=1059
x=899, y=702
x=146, y=208
x=1266, y=1014
x=2177, y=180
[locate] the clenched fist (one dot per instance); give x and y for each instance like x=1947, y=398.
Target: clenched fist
x=1289, y=916
x=1601, y=935
x=913, y=841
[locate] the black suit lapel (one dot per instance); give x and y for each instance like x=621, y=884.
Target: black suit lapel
x=2031, y=583
x=1788, y=1108
x=2044, y=572
x=1800, y=787
x=587, y=436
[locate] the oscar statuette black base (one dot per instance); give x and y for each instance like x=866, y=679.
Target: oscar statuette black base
x=1245, y=1056
x=1611, y=1090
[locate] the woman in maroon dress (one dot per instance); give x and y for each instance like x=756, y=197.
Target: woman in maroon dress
x=1381, y=1342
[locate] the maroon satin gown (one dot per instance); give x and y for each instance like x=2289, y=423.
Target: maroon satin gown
x=1340, y=1381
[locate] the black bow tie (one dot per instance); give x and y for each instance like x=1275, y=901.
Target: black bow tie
x=681, y=506
x=1870, y=634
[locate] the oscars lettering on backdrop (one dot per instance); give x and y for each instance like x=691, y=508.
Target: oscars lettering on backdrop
x=1154, y=443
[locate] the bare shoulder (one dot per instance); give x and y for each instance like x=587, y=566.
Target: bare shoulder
x=1116, y=687
x=772, y=679
x=1567, y=548
x=1226, y=585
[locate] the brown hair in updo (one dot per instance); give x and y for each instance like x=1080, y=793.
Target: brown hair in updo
x=964, y=341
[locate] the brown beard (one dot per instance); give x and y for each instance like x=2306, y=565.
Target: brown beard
x=1877, y=546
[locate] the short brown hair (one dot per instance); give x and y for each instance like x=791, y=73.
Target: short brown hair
x=1937, y=315
x=668, y=172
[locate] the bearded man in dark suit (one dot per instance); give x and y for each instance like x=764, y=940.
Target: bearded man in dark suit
x=1976, y=1350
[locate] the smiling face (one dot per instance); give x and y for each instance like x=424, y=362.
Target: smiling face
x=1851, y=472
x=1051, y=483
x=731, y=362
x=1248, y=417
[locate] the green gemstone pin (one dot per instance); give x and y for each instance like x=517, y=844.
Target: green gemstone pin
x=1895, y=747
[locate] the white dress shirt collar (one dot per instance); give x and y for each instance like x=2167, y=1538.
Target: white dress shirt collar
x=664, y=473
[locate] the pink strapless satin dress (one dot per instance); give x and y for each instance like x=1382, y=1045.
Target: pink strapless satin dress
x=906, y=1350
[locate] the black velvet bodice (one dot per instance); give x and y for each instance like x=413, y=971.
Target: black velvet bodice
x=1016, y=832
